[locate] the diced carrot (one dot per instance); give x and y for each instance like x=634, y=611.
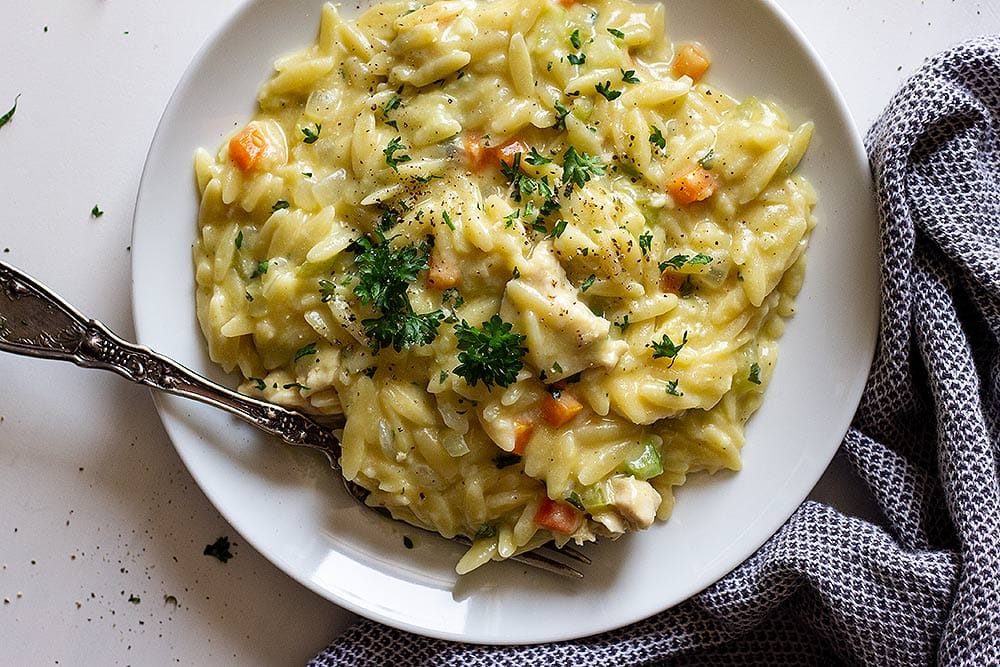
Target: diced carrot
x=695, y=184
x=442, y=274
x=477, y=154
x=522, y=434
x=560, y=517
x=558, y=409
x=509, y=150
x=246, y=148
x=671, y=281
x=691, y=59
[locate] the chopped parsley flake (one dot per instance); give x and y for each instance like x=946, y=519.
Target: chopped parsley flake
x=578, y=168
x=615, y=32
x=561, y=113
x=629, y=76
x=672, y=388
x=486, y=530
x=645, y=243
x=327, y=290
x=678, y=261
x=311, y=135
x=574, y=39
x=134, y=599
x=259, y=383
x=588, y=283
x=96, y=212
x=754, y=373
x=667, y=349
x=390, y=151
x=296, y=385
x=657, y=139
x=278, y=205
x=605, y=90
x=239, y=239
x=305, y=351
x=706, y=160
x=447, y=220
x=536, y=159
x=576, y=58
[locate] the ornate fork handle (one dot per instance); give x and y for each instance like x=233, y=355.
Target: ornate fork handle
x=36, y=322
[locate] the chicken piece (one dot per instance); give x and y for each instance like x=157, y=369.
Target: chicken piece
x=636, y=500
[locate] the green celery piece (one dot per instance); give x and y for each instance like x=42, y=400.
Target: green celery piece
x=647, y=464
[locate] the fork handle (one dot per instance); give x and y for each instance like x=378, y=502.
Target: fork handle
x=36, y=322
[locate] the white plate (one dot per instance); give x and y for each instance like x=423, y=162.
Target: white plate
x=291, y=507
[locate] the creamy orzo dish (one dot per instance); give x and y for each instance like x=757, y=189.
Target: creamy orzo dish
x=534, y=258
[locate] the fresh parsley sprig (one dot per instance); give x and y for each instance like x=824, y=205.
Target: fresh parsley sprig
x=679, y=261
x=668, y=349
x=578, y=168
x=492, y=353
x=390, y=151
x=384, y=273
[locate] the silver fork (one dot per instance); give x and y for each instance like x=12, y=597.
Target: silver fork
x=35, y=322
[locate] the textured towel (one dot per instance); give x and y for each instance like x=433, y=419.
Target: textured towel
x=829, y=588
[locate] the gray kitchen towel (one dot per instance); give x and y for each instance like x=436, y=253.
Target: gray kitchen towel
x=830, y=588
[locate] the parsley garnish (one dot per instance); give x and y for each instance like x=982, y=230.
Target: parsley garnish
x=645, y=243
x=452, y=296
x=678, y=261
x=259, y=383
x=574, y=39
x=536, y=159
x=239, y=239
x=657, y=139
x=311, y=135
x=574, y=499
x=134, y=599
x=672, y=388
x=588, y=283
x=578, y=168
x=278, y=205
x=576, y=58
x=327, y=289
x=616, y=33
x=754, y=373
x=558, y=229
x=295, y=385
x=305, y=351
x=4, y=119
x=391, y=105
x=561, y=113
x=706, y=160
x=486, y=530
x=96, y=212
x=219, y=549
x=447, y=220
x=667, y=349
x=391, y=158
x=623, y=325
x=383, y=276
x=492, y=353
x=629, y=76
x=261, y=269
x=523, y=184
x=605, y=90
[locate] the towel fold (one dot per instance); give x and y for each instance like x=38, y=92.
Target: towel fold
x=829, y=588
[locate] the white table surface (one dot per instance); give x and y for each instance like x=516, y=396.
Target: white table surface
x=95, y=506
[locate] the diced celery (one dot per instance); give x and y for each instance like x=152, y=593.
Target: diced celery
x=647, y=464
x=597, y=496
